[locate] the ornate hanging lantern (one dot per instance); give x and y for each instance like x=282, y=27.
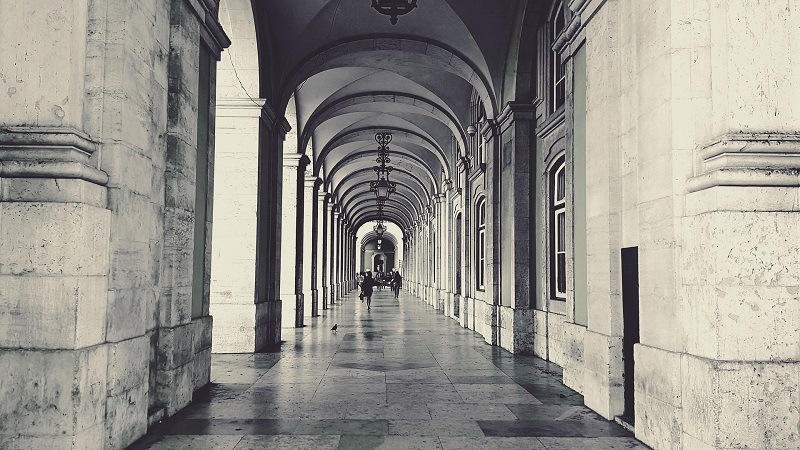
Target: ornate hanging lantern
x=394, y=8
x=379, y=229
x=382, y=187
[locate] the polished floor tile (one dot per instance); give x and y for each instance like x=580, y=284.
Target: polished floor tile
x=399, y=376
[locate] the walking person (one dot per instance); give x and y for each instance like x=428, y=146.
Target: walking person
x=366, y=287
x=361, y=286
x=397, y=282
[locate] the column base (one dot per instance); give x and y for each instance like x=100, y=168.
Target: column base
x=515, y=330
x=71, y=388
x=299, y=312
x=325, y=297
x=314, y=303
x=602, y=382
x=268, y=326
x=441, y=296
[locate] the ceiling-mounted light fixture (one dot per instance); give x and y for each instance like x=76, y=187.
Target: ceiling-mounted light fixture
x=379, y=229
x=394, y=8
x=383, y=187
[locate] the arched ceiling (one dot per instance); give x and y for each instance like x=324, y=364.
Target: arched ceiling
x=350, y=74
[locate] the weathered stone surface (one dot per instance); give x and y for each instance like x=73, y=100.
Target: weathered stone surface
x=602, y=383
x=52, y=393
x=234, y=328
x=741, y=404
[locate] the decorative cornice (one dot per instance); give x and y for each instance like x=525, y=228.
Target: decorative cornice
x=514, y=111
x=570, y=31
x=206, y=12
x=748, y=159
x=48, y=152
x=271, y=119
x=240, y=106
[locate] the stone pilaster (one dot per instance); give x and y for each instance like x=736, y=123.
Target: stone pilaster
x=327, y=221
x=517, y=246
x=336, y=223
x=233, y=274
x=317, y=211
x=268, y=237
x=290, y=218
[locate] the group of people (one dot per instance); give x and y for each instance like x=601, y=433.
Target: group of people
x=367, y=283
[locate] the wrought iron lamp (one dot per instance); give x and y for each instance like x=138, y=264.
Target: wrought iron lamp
x=394, y=8
x=382, y=187
x=379, y=229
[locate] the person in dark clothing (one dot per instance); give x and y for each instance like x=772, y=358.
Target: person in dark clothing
x=397, y=283
x=366, y=287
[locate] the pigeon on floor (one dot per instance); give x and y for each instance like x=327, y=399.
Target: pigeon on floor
x=335, y=327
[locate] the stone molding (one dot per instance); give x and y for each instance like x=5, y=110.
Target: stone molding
x=551, y=123
x=748, y=159
x=270, y=118
x=48, y=152
x=514, y=111
x=240, y=107
x=211, y=31
x=569, y=33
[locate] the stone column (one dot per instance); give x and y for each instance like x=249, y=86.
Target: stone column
x=340, y=256
x=317, y=233
x=93, y=178
x=309, y=205
x=492, y=182
x=327, y=216
x=517, y=266
x=235, y=204
x=443, y=250
x=55, y=230
x=468, y=241
x=291, y=207
x=335, y=243
x=268, y=236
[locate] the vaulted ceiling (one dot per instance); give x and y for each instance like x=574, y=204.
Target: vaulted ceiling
x=351, y=74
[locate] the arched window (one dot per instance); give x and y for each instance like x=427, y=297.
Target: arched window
x=558, y=70
x=480, y=243
x=558, y=231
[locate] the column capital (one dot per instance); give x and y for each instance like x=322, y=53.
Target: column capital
x=516, y=111
x=292, y=160
x=240, y=107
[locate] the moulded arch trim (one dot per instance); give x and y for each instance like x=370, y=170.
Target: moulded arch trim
x=522, y=87
x=410, y=175
x=371, y=236
x=436, y=111
x=453, y=61
x=351, y=158
x=555, y=151
x=342, y=138
x=349, y=194
x=390, y=216
x=361, y=205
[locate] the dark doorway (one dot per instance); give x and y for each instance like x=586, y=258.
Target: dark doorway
x=630, y=316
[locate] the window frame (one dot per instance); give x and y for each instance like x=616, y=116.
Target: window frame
x=558, y=70
x=480, y=244
x=558, y=230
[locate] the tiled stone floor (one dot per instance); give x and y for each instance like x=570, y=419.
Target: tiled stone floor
x=398, y=376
